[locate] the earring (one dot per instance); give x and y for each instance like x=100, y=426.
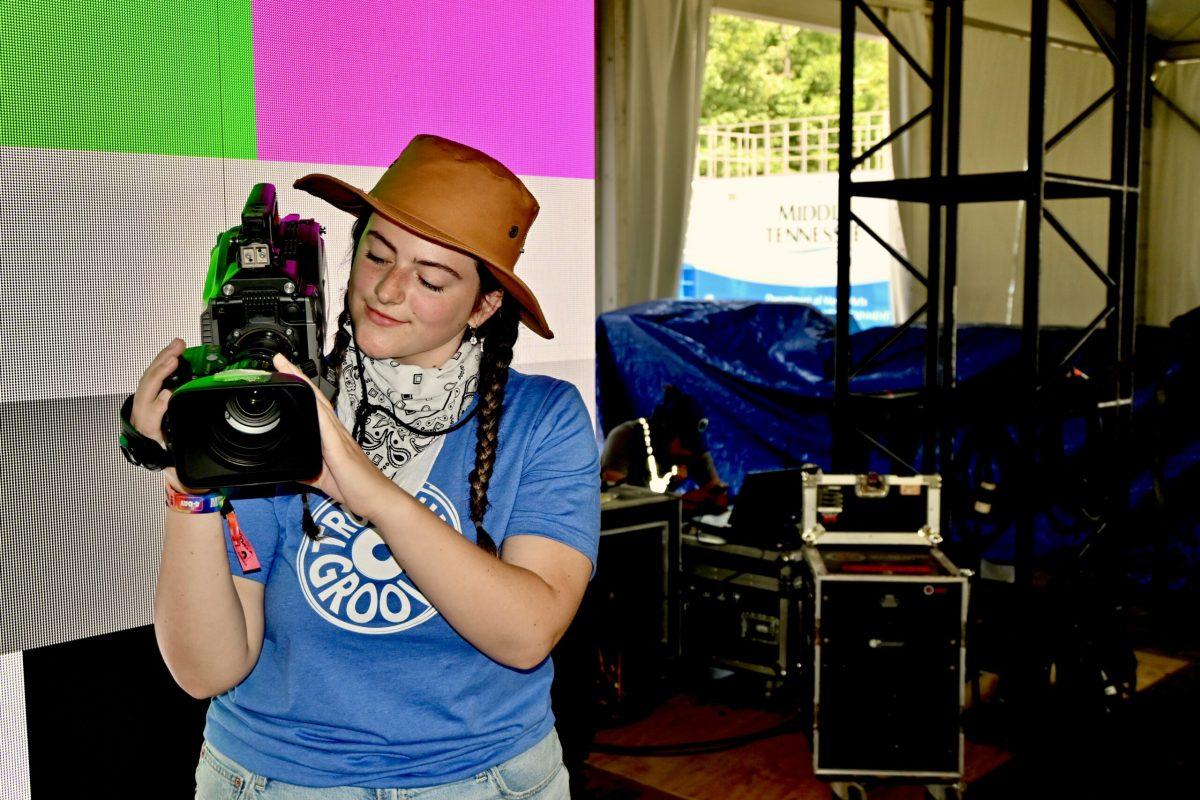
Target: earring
x=474, y=339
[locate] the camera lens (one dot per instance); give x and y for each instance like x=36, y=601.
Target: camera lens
x=251, y=413
x=248, y=426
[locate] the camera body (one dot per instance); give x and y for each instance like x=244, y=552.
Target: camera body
x=266, y=287
x=232, y=419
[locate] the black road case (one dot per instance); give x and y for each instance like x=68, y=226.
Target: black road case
x=885, y=621
x=888, y=655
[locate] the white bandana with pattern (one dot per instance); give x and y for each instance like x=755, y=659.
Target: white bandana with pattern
x=431, y=399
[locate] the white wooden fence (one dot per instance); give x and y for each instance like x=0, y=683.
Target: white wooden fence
x=786, y=146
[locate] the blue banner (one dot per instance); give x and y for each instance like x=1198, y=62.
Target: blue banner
x=870, y=303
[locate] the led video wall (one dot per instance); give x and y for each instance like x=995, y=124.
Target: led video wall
x=130, y=136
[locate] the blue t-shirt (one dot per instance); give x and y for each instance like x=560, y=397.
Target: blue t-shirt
x=361, y=682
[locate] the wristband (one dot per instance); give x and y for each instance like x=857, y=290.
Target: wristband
x=194, y=503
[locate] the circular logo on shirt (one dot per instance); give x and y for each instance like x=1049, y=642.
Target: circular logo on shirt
x=350, y=577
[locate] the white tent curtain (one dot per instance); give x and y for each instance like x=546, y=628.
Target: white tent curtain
x=908, y=95
x=1171, y=283
x=994, y=118
x=652, y=70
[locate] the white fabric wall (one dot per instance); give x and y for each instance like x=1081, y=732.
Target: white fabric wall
x=1171, y=283
x=908, y=95
x=651, y=71
x=994, y=120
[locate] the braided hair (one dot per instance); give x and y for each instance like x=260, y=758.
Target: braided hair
x=499, y=334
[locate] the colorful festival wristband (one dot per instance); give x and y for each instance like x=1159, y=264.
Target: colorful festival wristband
x=194, y=503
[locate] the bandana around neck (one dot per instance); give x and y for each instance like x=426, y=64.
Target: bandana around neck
x=427, y=398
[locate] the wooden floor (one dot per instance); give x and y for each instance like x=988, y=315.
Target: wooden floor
x=1154, y=667
x=778, y=768
x=775, y=768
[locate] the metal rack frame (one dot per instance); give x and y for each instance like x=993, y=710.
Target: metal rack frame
x=945, y=190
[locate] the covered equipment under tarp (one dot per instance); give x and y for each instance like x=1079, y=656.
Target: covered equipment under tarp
x=763, y=375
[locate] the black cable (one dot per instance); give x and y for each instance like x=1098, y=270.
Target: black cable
x=677, y=749
x=366, y=408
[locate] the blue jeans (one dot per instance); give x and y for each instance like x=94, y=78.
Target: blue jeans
x=536, y=774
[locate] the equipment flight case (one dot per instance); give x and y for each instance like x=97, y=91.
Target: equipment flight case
x=741, y=581
x=885, y=618
x=739, y=609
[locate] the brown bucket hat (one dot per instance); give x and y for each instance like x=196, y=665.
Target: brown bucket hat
x=454, y=195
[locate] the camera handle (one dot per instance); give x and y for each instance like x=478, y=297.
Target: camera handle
x=140, y=450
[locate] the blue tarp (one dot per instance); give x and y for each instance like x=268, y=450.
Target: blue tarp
x=763, y=375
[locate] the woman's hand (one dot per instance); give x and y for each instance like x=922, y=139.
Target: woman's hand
x=150, y=403
x=150, y=399
x=347, y=475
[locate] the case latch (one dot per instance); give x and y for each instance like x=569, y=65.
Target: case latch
x=871, y=485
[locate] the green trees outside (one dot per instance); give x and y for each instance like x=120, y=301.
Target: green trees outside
x=758, y=70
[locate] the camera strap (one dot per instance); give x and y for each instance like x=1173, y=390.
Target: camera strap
x=140, y=450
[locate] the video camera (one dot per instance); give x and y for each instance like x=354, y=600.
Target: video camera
x=232, y=419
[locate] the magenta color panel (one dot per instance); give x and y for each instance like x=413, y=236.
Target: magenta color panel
x=352, y=83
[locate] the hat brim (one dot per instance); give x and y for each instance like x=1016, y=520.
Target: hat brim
x=353, y=200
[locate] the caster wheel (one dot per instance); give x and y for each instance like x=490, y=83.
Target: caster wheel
x=848, y=791
x=944, y=792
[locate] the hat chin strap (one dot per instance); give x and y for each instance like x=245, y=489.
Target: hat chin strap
x=364, y=409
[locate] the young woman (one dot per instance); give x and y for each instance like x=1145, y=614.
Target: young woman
x=396, y=633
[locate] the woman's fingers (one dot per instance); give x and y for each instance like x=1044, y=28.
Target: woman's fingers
x=326, y=416
x=150, y=399
x=325, y=410
x=163, y=364
x=283, y=365
x=331, y=429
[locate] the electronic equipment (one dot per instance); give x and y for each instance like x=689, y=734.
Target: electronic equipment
x=740, y=612
x=767, y=509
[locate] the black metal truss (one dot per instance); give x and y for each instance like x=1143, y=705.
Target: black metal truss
x=944, y=191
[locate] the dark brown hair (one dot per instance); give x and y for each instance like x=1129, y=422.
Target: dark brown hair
x=499, y=334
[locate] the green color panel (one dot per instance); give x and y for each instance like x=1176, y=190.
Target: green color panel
x=174, y=78
x=237, y=78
